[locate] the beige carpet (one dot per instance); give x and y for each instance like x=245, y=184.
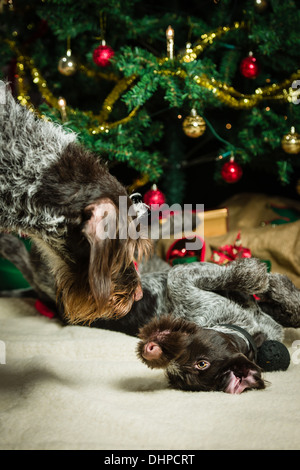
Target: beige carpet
x=79, y=388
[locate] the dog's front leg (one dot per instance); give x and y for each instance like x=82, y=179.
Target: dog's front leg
x=248, y=276
x=282, y=301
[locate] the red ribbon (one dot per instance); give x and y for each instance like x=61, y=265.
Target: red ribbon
x=43, y=310
x=228, y=253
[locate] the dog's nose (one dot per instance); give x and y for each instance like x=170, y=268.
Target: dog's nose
x=151, y=351
x=138, y=295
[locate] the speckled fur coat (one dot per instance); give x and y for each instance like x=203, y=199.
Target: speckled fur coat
x=205, y=293
x=56, y=192
x=28, y=148
x=211, y=295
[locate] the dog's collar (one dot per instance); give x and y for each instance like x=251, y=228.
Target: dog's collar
x=247, y=336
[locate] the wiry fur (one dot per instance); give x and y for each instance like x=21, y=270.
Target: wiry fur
x=199, y=358
x=183, y=312
x=50, y=189
x=205, y=300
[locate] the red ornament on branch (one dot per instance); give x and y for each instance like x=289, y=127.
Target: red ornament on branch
x=154, y=196
x=249, y=67
x=231, y=171
x=102, y=54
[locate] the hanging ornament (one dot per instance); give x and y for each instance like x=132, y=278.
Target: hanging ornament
x=154, y=196
x=102, y=54
x=291, y=142
x=231, y=171
x=249, y=67
x=67, y=64
x=194, y=125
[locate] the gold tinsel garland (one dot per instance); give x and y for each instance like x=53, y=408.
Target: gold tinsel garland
x=225, y=93
x=103, y=126
x=208, y=38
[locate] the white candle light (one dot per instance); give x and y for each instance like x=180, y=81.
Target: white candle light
x=170, y=42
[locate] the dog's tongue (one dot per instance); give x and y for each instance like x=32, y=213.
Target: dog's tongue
x=238, y=385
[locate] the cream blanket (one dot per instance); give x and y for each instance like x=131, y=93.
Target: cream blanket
x=79, y=388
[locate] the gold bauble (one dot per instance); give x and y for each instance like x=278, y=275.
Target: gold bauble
x=194, y=125
x=67, y=64
x=291, y=142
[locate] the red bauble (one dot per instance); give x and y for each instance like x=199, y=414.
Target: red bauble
x=231, y=171
x=179, y=254
x=249, y=67
x=154, y=196
x=102, y=55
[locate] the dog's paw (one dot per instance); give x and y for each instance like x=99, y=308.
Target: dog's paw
x=251, y=275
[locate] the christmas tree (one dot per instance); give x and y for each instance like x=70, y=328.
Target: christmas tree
x=199, y=98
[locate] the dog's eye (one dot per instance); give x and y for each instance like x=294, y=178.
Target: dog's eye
x=201, y=365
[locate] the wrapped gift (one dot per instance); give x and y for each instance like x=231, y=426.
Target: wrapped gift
x=228, y=253
x=178, y=252
x=215, y=222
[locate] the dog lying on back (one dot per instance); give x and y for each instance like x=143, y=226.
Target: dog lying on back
x=199, y=322
x=58, y=193
x=210, y=340
x=199, y=358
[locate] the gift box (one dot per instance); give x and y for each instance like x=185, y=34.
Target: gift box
x=215, y=222
x=227, y=253
x=179, y=253
x=210, y=224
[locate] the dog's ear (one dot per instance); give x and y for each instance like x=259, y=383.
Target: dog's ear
x=102, y=222
x=101, y=232
x=259, y=339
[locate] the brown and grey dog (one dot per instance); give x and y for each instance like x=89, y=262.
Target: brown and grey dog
x=216, y=327
x=199, y=322
x=202, y=325
x=199, y=358
x=58, y=193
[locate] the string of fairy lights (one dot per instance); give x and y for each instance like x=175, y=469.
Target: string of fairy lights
x=193, y=125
